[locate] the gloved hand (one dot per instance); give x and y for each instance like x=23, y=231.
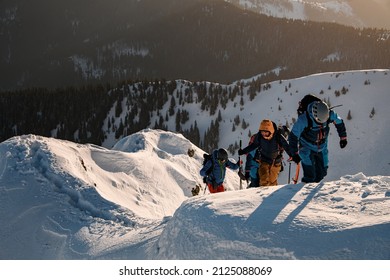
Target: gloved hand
x=240, y=152
x=296, y=158
x=343, y=142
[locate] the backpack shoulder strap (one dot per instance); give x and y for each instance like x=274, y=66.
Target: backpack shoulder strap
x=309, y=121
x=278, y=136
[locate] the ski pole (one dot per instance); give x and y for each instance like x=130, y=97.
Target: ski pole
x=239, y=164
x=289, y=172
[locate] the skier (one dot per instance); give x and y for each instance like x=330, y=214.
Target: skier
x=214, y=170
x=271, y=144
x=308, y=140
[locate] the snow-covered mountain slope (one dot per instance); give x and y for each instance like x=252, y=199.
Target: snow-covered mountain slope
x=65, y=196
x=357, y=13
x=365, y=91
x=332, y=220
x=359, y=93
x=61, y=200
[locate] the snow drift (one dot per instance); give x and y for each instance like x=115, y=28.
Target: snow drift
x=61, y=200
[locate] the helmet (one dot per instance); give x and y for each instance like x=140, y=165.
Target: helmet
x=222, y=155
x=320, y=111
x=267, y=125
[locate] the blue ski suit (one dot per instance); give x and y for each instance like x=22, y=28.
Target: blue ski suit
x=218, y=172
x=310, y=140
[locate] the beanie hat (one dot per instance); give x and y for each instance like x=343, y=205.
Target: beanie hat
x=267, y=125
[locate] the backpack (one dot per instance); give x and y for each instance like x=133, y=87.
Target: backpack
x=283, y=130
x=206, y=158
x=302, y=108
x=279, y=132
x=305, y=101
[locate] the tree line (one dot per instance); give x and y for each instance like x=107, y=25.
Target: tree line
x=89, y=114
x=204, y=40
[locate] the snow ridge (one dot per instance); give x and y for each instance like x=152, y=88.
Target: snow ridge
x=62, y=200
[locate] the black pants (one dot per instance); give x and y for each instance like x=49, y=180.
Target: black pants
x=317, y=170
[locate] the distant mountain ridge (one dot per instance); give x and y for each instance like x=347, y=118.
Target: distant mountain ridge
x=357, y=13
x=70, y=43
